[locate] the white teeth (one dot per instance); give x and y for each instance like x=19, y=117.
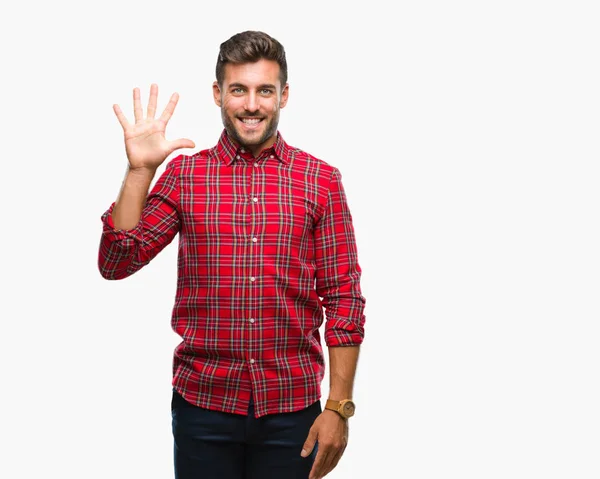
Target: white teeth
x=251, y=121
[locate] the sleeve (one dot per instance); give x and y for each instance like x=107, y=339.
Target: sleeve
x=123, y=252
x=338, y=272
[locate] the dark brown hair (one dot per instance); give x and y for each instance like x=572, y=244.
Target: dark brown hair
x=249, y=47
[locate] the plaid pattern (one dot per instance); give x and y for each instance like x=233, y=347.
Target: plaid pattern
x=265, y=246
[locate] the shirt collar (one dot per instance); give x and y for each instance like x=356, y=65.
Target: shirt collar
x=228, y=151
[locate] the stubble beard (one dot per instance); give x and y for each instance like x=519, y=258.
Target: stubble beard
x=233, y=132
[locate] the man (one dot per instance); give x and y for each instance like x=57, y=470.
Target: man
x=266, y=243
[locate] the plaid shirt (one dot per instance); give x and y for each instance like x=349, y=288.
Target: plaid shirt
x=265, y=244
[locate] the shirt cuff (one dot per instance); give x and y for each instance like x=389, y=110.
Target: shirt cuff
x=341, y=332
x=113, y=234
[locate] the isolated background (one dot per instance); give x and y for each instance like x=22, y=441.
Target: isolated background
x=467, y=137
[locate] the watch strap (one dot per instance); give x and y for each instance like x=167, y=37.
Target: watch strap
x=333, y=405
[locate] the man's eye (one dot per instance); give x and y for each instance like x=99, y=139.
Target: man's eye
x=266, y=91
x=238, y=90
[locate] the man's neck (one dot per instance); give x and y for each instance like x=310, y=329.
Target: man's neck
x=256, y=150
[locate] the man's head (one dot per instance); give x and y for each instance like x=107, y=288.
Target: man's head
x=251, y=87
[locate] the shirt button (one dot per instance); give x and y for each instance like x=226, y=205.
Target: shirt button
x=271, y=156
x=252, y=361
x=255, y=163
x=242, y=150
x=255, y=199
x=237, y=157
x=252, y=279
x=254, y=240
x=251, y=320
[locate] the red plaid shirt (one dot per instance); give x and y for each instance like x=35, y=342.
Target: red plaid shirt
x=265, y=244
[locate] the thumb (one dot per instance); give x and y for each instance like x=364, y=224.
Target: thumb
x=181, y=143
x=309, y=443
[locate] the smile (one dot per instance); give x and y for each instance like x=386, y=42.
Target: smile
x=251, y=122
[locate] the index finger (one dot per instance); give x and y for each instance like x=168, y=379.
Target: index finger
x=334, y=461
x=170, y=108
x=318, y=466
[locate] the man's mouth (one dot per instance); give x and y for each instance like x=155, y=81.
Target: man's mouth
x=251, y=123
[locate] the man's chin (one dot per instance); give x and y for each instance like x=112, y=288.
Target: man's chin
x=250, y=138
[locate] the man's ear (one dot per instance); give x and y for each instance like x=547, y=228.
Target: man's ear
x=217, y=93
x=284, y=95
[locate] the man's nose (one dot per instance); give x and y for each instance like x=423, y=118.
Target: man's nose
x=252, y=102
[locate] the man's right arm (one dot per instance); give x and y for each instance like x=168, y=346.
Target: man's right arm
x=138, y=226
x=132, y=198
x=135, y=227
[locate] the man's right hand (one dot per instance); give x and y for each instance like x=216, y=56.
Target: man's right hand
x=145, y=141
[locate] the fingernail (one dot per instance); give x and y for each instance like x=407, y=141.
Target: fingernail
x=303, y=453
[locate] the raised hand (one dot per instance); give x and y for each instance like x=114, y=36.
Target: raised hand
x=145, y=141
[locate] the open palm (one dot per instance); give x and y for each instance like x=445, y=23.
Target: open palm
x=145, y=141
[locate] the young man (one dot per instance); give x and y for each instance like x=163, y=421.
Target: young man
x=266, y=243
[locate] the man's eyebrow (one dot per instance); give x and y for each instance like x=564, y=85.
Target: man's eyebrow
x=265, y=85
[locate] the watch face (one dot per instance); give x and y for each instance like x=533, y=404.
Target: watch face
x=348, y=409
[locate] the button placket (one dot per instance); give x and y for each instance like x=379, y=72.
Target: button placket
x=250, y=251
x=254, y=260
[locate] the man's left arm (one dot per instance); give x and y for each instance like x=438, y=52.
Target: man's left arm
x=330, y=429
x=342, y=369
x=338, y=283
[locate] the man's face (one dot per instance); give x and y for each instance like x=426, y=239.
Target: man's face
x=250, y=99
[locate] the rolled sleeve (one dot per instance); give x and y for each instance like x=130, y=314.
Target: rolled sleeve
x=123, y=252
x=338, y=271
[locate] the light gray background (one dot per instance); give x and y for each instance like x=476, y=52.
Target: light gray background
x=467, y=137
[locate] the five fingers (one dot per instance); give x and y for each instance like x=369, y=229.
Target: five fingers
x=151, y=111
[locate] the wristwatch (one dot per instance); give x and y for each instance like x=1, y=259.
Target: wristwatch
x=344, y=408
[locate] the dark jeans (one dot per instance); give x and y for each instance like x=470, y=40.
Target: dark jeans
x=217, y=445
